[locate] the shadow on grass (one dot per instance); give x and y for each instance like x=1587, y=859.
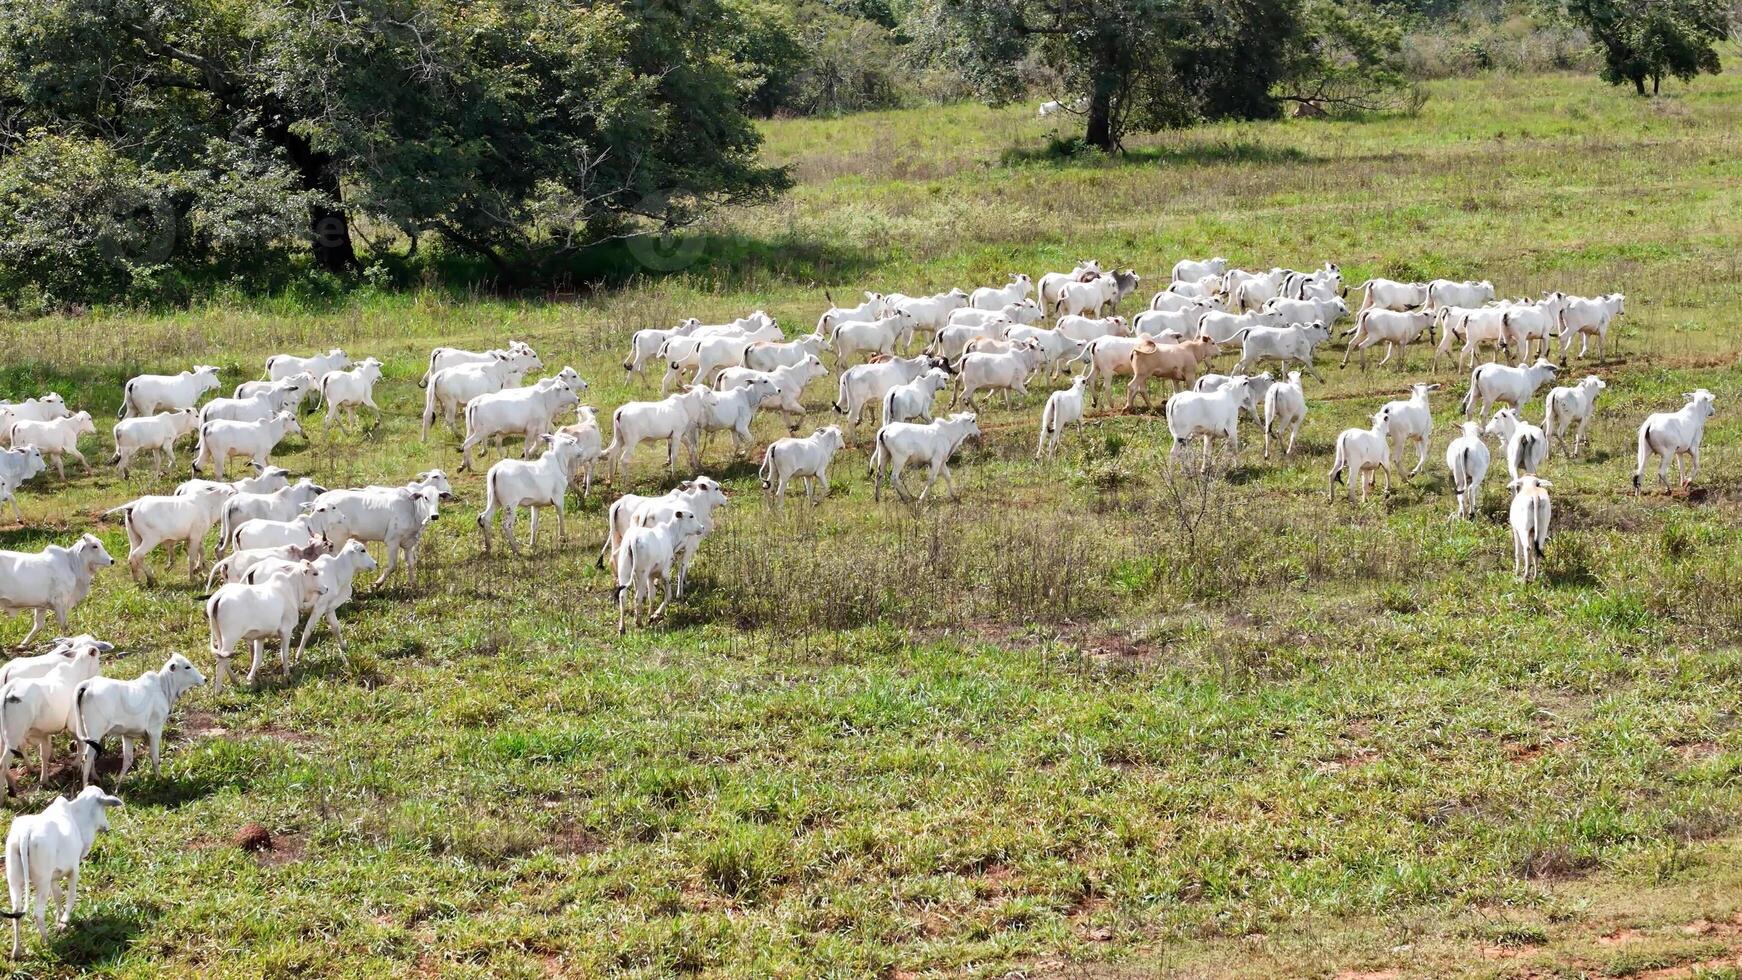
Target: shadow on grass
x=94, y=940
x=1075, y=152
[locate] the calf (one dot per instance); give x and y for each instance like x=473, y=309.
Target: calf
x=701, y=496
x=1191, y=269
x=240, y=613
x=44, y=850
x=1085, y=328
x=66, y=649
x=882, y=336
x=35, y=709
x=1586, y=318
x=55, y=439
x=154, y=520
x=446, y=357
x=1207, y=414
x=914, y=399
x=1526, y=446
x=1389, y=294
x=1026, y=312
x=1411, y=420
x=1529, y=518
x=1359, y=453
x=1062, y=408
x=234, y=566
x=281, y=366
x=1258, y=386
x=529, y=412
x=732, y=410
x=343, y=391
x=222, y=439
x=1442, y=293
x=53, y=580
x=17, y=466
x=149, y=394
x=808, y=458
x=1475, y=327
x=135, y=709
x=671, y=419
x=1395, y=329
x=1178, y=363
x=1533, y=323
x=155, y=434
x=1467, y=459
x=335, y=574
x=1567, y=405
x=1674, y=434
x=1492, y=384
x=588, y=444
x=647, y=554
x=1284, y=409
x=1087, y=297
x=514, y=483
x=931, y=442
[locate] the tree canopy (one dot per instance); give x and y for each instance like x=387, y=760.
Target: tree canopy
x=1644, y=40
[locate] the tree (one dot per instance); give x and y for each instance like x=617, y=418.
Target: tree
x=489, y=123
x=1352, y=59
x=1648, y=39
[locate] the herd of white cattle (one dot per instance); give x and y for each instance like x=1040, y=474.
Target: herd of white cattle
x=289, y=550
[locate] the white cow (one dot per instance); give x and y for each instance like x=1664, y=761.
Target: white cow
x=1467, y=459
x=442, y=358
x=1285, y=345
x=930, y=313
x=1183, y=321
x=53, y=580
x=671, y=418
x=872, y=308
x=1062, y=408
x=281, y=366
x=1087, y=297
x=1257, y=389
x=529, y=412
x=914, y=399
x=1284, y=410
x=1169, y=301
x=65, y=650
x=222, y=439
x=44, y=850
x=336, y=574
x=996, y=297
x=790, y=381
x=1410, y=420
x=769, y=355
x=1475, y=326
x=1389, y=294
x=1442, y=293
x=1526, y=446
x=49, y=406
x=1359, y=453
x=645, y=345
x=1503, y=384
x=732, y=410
x=1192, y=269
x=55, y=439
x=156, y=434
x=647, y=554
x=153, y=520
x=931, y=442
x=135, y=709
x=1533, y=323
x=1057, y=349
x=1222, y=327
x=1567, y=405
x=866, y=384
x=16, y=467
x=1086, y=328
x=1298, y=312
x=301, y=382
x=343, y=391
x=1027, y=312
x=242, y=613
x=952, y=342
x=265, y=480
x=1675, y=434
x=1586, y=318
x=35, y=709
x=451, y=388
x=807, y=458
x=395, y=516
x=149, y=394
x=881, y=336
x=1007, y=372
x=282, y=504
x=1207, y=414
x=235, y=566
x=260, y=532
x=700, y=496
x=262, y=401
x=1530, y=515
x=1395, y=329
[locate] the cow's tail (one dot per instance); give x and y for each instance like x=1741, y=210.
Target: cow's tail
x=490, y=495
x=81, y=732
x=423, y=382
x=1461, y=476
x=840, y=395
x=765, y=472
x=1470, y=396
x=126, y=398
x=877, y=456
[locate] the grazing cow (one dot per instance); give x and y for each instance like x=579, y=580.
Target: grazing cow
x=808, y=458
x=866, y=384
x=1503, y=384
x=153, y=520
x=529, y=412
x=790, y=381
x=451, y=388
x=263, y=400
x=1178, y=363
x=1359, y=453
x=49, y=406
x=222, y=439
x=1586, y=318
x=1526, y=446
x=55, y=439
x=914, y=399
x=1284, y=345
x=53, y=580
x=1062, y=408
x=282, y=504
x=155, y=434
x=44, y=850
x=446, y=357
x=1529, y=518
x=1284, y=410
x=1193, y=269
x=35, y=709
x=700, y=496
x=242, y=613
x=343, y=391
x=135, y=709
x=149, y=394
x=1389, y=294
x=1567, y=405
x=1410, y=420
x=1467, y=459
x=17, y=466
x=1442, y=293
x=647, y=554
x=1673, y=434
x=995, y=297
x=671, y=418
x=931, y=442
x=1207, y=414
x=1007, y=372
x=395, y=516
x=1396, y=330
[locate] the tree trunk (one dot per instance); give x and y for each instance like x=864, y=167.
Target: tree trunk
x=1639, y=84
x=329, y=226
x=1656, y=80
x=1100, y=129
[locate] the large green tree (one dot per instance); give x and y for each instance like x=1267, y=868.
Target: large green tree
x=489, y=123
x=1645, y=40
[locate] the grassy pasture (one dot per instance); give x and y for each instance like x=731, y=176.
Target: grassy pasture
x=1122, y=727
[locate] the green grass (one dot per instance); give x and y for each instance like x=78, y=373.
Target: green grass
x=1081, y=718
